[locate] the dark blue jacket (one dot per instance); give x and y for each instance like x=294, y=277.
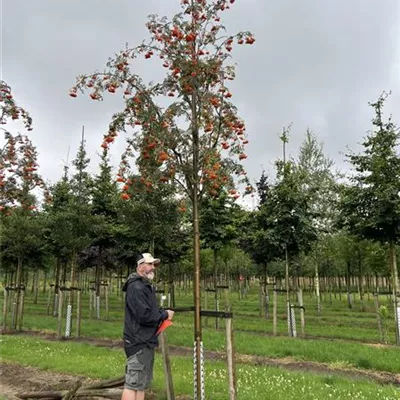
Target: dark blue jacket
x=142, y=315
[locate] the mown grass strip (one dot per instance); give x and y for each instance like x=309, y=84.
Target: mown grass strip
x=253, y=382
x=359, y=355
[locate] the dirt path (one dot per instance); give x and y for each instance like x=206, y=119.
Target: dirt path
x=287, y=363
x=15, y=379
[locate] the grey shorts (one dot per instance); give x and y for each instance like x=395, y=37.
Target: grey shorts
x=139, y=370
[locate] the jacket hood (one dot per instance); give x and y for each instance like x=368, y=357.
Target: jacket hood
x=134, y=276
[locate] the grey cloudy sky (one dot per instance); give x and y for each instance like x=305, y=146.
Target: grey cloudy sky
x=315, y=63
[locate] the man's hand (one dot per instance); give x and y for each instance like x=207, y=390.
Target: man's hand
x=170, y=314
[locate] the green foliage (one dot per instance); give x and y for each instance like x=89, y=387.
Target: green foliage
x=70, y=222
x=319, y=182
x=22, y=237
x=371, y=203
x=257, y=236
x=152, y=219
x=104, y=191
x=104, y=212
x=263, y=188
x=383, y=314
x=184, y=138
x=217, y=221
x=286, y=214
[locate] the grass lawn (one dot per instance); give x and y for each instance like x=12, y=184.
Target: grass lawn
x=341, y=331
x=254, y=382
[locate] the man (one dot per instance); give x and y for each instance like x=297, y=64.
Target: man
x=142, y=319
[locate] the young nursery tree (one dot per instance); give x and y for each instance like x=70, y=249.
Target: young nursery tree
x=286, y=214
x=18, y=158
x=259, y=239
x=371, y=204
x=217, y=230
x=19, y=181
x=319, y=181
x=104, y=194
x=198, y=139
x=82, y=221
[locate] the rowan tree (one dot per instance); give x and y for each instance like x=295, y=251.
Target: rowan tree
x=10, y=109
x=197, y=139
x=18, y=158
x=19, y=178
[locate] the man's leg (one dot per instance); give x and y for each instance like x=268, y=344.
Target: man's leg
x=139, y=374
x=128, y=394
x=134, y=378
x=139, y=395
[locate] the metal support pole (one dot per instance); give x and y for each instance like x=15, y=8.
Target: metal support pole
x=68, y=322
x=292, y=317
x=60, y=306
x=78, y=313
x=301, y=306
x=98, y=307
x=230, y=356
x=195, y=366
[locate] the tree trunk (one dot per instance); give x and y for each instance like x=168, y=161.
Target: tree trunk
x=349, y=303
x=18, y=288
x=360, y=281
x=266, y=296
x=56, y=287
x=33, y=281
x=393, y=262
x=44, y=281
x=216, y=305
x=197, y=299
x=73, y=278
x=64, y=273
x=171, y=285
x=97, y=279
x=287, y=289
x=317, y=293
x=36, y=286
x=198, y=378
x=57, y=275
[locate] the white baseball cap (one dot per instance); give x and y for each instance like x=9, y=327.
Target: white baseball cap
x=147, y=258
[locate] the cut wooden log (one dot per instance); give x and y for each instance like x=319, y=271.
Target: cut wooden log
x=106, y=384
x=105, y=388
x=58, y=395
x=71, y=392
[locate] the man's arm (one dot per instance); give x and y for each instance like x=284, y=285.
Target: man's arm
x=141, y=305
